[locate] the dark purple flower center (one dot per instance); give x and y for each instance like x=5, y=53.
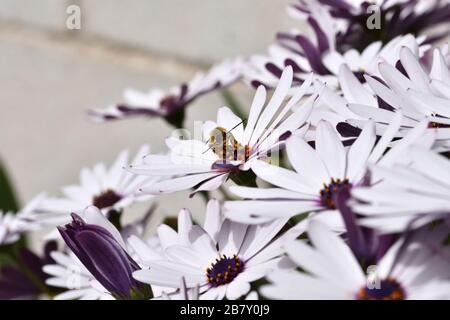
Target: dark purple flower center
x=330, y=191
x=387, y=290
x=168, y=102
x=224, y=270
x=435, y=125
x=106, y=199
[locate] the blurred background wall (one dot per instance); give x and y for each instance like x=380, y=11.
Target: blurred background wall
x=51, y=75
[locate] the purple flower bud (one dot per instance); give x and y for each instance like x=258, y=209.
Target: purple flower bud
x=105, y=258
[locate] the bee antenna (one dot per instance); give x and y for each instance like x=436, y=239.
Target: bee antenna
x=237, y=125
x=206, y=150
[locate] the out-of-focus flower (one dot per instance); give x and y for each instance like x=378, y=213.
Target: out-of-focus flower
x=101, y=249
x=341, y=35
x=25, y=279
x=406, y=196
x=413, y=271
x=105, y=188
x=227, y=149
x=320, y=175
x=222, y=258
x=13, y=225
x=172, y=104
x=367, y=61
x=69, y=273
x=359, y=23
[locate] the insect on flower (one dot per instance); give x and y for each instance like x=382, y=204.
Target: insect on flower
x=226, y=147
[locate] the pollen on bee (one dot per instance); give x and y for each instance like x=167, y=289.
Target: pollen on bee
x=226, y=147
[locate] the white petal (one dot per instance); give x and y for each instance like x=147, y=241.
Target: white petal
x=213, y=219
x=353, y=89
x=282, y=177
x=359, y=152
x=169, y=274
x=237, y=289
x=305, y=160
x=255, y=110
x=266, y=193
x=331, y=150
x=93, y=216
x=231, y=122
x=177, y=184
x=338, y=252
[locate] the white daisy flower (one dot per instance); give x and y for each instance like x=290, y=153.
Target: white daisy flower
x=13, y=225
x=222, y=258
x=154, y=249
x=367, y=61
x=414, y=272
x=227, y=148
x=142, y=250
x=266, y=69
x=342, y=106
x=417, y=93
x=69, y=273
x=320, y=175
x=339, y=37
x=170, y=105
x=106, y=188
x=407, y=196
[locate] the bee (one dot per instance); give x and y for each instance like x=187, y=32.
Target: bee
x=226, y=147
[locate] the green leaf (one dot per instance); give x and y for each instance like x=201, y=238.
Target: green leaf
x=8, y=200
x=6, y=260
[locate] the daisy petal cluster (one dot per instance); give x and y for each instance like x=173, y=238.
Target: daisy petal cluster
x=108, y=189
x=333, y=183
x=222, y=257
x=408, y=196
x=334, y=273
x=13, y=225
x=355, y=33
x=227, y=147
x=322, y=174
x=407, y=86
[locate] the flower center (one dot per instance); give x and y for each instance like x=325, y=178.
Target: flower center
x=386, y=290
x=224, y=270
x=167, y=102
x=438, y=125
x=329, y=192
x=435, y=125
x=106, y=199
